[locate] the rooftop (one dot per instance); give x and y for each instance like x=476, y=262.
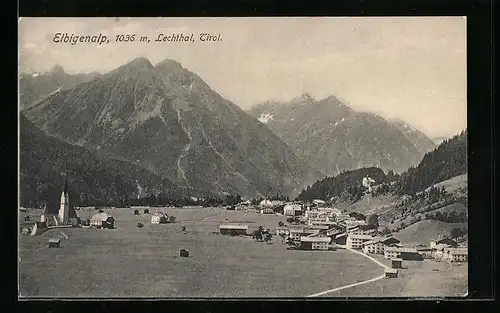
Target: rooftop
x=100, y=217
x=315, y=239
x=401, y=249
x=460, y=251
x=381, y=239
x=233, y=226
x=367, y=237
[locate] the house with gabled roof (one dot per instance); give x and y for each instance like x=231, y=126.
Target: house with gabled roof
x=378, y=244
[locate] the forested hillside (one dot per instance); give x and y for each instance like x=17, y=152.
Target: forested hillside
x=446, y=161
x=348, y=181
x=92, y=180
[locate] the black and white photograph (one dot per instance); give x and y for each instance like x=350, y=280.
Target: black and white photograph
x=238, y=157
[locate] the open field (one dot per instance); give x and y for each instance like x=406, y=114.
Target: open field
x=131, y=262
x=416, y=279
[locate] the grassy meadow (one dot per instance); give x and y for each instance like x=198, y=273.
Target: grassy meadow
x=132, y=262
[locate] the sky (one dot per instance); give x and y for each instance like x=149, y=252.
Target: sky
x=412, y=68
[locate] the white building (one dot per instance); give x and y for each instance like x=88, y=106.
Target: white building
x=456, y=254
x=282, y=231
x=378, y=244
x=292, y=209
x=102, y=220
x=158, y=218
x=296, y=233
x=356, y=241
x=314, y=243
x=265, y=203
x=266, y=210
x=312, y=214
x=404, y=253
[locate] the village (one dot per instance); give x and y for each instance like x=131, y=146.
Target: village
x=306, y=226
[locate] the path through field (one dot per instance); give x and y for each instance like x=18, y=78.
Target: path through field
x=355, y=284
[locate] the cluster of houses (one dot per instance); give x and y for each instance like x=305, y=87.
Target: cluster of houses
x=321, y=226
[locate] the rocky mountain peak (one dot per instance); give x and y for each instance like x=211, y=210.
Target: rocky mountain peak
x=169, y=64
x=137, y=64
x=303, y=99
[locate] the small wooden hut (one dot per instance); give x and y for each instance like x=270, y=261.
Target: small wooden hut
x=54, y=243
x=184, y=253
x=397, y=263
x=391, y=273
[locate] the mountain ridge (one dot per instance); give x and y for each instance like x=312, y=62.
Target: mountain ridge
x=166, y=119
x=333, y=137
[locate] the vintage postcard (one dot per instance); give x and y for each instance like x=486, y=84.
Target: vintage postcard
x=243, y=157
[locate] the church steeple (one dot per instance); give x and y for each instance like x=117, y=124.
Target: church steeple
x=64, y=204
x=65, y=188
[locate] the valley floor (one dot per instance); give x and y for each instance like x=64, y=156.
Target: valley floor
x=132, y=262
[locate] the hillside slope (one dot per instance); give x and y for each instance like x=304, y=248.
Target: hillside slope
x=92, y=179
x=424, y=231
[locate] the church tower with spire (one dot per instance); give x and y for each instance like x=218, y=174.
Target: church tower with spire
x=64, y=205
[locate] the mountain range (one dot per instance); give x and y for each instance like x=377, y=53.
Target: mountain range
x=333, y=137
x=167, y=121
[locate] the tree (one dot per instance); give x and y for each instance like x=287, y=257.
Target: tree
x=140, y=225
x=268, y=237
x=257, y=235
x=385, y=230
x=372, y=220
x=456, y=233
x=281, y=224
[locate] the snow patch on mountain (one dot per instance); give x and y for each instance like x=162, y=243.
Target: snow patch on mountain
x=265, y=118
x=338, y=122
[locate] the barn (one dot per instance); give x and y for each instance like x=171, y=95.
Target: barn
x=102, y=220
x=233, y=229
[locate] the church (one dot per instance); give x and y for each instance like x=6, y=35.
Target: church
x=62, y=216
